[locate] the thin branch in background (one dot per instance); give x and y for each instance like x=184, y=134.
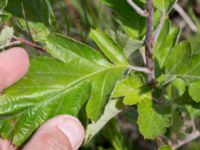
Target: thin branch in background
x=18, y=40
x=140, y=69
x=187, y=19
x=149, y=41
x=28, y=43
x=11, y=44
x=189, y=138
x=137, y=9
x=159, y=27
x=194, y=128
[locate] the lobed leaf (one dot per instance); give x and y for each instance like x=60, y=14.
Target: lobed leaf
x=180, y=63
x=131, y=90
x=79, y=76
x=153, y=120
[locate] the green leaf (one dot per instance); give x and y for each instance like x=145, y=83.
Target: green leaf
x=112, y=133
x=180, y=85
x=194, y=40
x=178, y=124
x=167, y=39
x=163, y=5
x=6, y=36
x=39, y=31
x=131, y=89
x=108, y=47
x=185, y=101
x=194, y=91
x=34, y=17
x=79, y=76
x=180, y=63
x=131, y=46
x=126, y=43
x=165, y=147
x=35, y=11
x=176, y=88
x=40, y=96
x=133, y=24
x=153, y=120
x=67, y=50
x=3, y=4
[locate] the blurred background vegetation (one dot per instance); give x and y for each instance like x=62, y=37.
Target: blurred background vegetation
x=75, y=18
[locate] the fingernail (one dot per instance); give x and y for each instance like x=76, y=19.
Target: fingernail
x=73, y=130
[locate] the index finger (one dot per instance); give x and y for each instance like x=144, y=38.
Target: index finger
x=14, y=64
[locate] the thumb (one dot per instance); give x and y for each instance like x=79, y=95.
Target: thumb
x=60, y=133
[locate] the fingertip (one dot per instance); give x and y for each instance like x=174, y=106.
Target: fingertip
x=14, y=64
x=6, y=145
x=73, y=130
x=60, y=132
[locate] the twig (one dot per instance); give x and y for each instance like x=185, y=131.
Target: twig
x=18, y=40
x=149, y=41
x=187, y=19
x=191, y=137
x=11, y=44
x=140, y=69
x=28, y=43
x=137, y=9
x=194, y=128
x=159, y=27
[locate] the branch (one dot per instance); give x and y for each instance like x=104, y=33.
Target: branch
x=18, y=40
x=28, y=43
x=187, y=19
x=188, y=139
x=137, y=9
x=149, y=41
x=11, y=44
x=159, y=27
x=139, y=69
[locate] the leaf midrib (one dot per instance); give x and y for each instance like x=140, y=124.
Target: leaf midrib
x=74, y=83
x=93, y=74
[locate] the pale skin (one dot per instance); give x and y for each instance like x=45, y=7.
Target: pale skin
x=62, y=132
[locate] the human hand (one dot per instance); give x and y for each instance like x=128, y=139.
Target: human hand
x=62, y=132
